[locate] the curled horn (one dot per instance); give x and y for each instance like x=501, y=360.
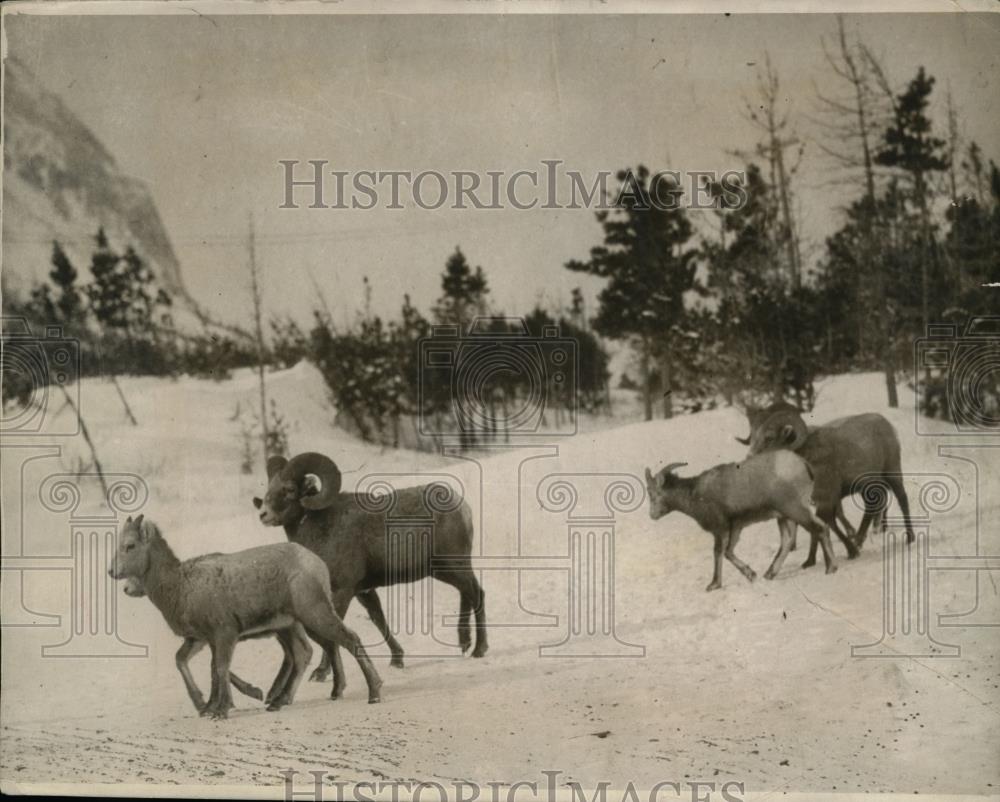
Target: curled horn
x=275, y=464
x=321, y=466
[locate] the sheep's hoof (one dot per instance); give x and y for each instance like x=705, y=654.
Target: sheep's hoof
x=336, y=693
x=809, y=563
x=713, y=585
x=397, y=661
x=255, y=693
x=750, y=575
x=769, y=574
x=277, y=704
x=480, y=650
x=319, y=675
x=831, y=569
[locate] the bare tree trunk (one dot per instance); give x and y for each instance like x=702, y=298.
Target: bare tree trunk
x=259, y=335
x=666, y=386
x=647, y=390
x=121, y=395
x=86, y=436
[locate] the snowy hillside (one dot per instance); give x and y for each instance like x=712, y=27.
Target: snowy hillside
x=753, y=683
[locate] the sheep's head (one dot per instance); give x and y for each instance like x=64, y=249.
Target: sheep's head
x=657, y=487
x=767, y=430
x=782, y=429
x=131, y=560
x=309, y=481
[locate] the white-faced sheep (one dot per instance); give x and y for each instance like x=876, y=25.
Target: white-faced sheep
x=350, y=533
x=858, y=453
x=222, y=598
x=728, y=497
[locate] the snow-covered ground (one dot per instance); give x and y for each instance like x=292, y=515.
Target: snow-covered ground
x=755, y=683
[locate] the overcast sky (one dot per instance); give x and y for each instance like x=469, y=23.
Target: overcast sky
x=204, y=108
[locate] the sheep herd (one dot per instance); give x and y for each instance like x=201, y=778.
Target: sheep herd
x=337, y=547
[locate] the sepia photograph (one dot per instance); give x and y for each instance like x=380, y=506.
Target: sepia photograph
x=500, y=400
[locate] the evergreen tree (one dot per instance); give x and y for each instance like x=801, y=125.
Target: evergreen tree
x=648, y=269
x=464, y=292
x=910, y=146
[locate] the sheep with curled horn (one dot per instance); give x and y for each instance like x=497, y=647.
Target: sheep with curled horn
x=756, y=416
x=726, y=498
x=349, y=532
x=857, y=453
x=294, y=643
x=220, y=599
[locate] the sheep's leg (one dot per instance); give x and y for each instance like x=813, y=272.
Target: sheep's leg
x=874, y=512
x=284, y=673
x=852, y=550
x=221, y=703
x=899, y=491
x=742, y=567
x=473, y=599
x=189, y=649
x=786, y=527
x=322, y=672
x=842, y=518
x=332, y=660
x=479, y=605
x=821, y=534
x=329, y=631
x=245, y=687
x=716, y=582
x=331, y=656
x=299, y=652
x=370, y=601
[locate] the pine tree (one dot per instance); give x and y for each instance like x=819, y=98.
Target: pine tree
x=648, y=271
x=909, y=145
x=464, y=292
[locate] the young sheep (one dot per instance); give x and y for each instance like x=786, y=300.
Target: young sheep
x=219, y=599
x=726, y=498
x=297, y=651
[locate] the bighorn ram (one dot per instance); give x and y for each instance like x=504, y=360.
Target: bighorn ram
x=298, y=653
x=349, y=531
x=726, y=498
x=220, y=599
x=847, y=455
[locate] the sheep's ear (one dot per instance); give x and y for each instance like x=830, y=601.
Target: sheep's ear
x=274, y=465
x=742, y=440
x=649, y=476
x=141, y=529
x=257, y=502
x=787, y=434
